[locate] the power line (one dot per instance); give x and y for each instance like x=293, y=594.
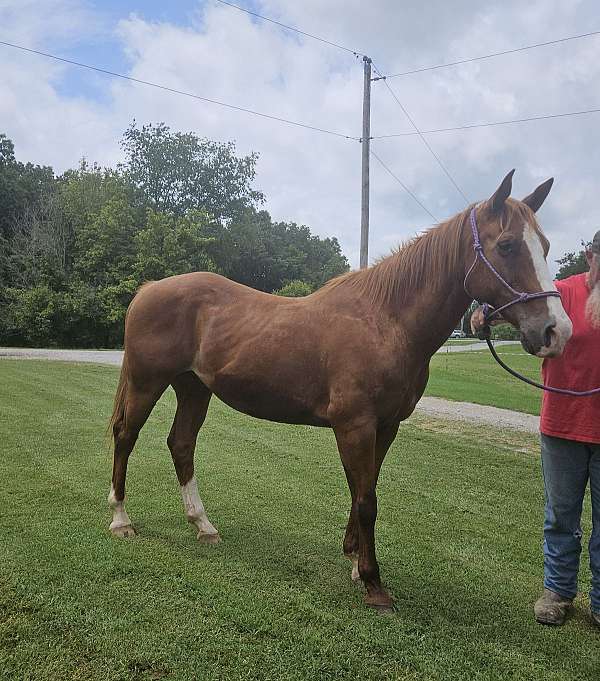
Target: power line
x=179, y=92
x=470, y=126
x=425, y=142
x=291, y=28
x=406, y=189
x=493, y=54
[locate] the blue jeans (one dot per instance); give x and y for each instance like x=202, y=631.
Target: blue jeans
x=567, y=466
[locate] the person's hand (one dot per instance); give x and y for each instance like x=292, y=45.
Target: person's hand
x=478, y=323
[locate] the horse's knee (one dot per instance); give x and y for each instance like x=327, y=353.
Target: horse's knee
x=124, y=440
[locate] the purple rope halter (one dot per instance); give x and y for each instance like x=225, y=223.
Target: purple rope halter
x=490, y=312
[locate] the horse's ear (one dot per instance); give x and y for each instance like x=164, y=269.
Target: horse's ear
x=538, y=196
x=496, y=203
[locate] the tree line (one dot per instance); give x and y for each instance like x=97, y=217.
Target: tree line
x=75, y=247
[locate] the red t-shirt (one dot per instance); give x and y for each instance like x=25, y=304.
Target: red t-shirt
x=578, y=368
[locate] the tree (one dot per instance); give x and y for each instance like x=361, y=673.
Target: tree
x=37, y=251
x=573, y=263
x=22, y=186
x=177, y=172
x=170, y=245
x=266, y=255
x=75, y=248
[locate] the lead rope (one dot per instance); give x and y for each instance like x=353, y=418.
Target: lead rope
x=535, y=384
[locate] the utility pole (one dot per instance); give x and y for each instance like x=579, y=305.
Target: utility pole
x=365, y=141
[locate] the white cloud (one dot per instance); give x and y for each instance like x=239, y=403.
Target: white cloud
x=314, y=178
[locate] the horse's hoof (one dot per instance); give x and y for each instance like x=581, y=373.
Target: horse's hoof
x=123, y=531
x=355, y=576
x=212, y=538
x=382, y=602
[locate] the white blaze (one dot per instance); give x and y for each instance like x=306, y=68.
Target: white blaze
x=563, y=328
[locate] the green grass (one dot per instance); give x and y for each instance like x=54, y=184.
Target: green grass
x=458, y=536
x=476, y=377
x=464, y=341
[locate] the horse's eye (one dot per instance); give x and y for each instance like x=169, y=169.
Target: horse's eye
x=506, y=246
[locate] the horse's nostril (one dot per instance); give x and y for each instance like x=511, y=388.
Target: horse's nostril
x=548, y=331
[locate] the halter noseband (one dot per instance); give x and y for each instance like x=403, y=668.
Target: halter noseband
x=489, y=312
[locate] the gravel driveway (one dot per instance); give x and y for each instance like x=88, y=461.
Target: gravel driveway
x=429, y=406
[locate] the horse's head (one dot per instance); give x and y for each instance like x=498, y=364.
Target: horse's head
x=517, y=248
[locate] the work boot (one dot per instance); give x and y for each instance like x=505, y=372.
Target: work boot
x=595, y=617
x=551, y=608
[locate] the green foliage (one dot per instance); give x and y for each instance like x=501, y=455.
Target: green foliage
x=170, y=245
x=32, y=313
x=104, y=248
x=266, y=255
x=505, y=332
x=78, y=316
x=75, y=248
x=23, y=186
x=295, y=289
x=177, y=172
x=573, y=263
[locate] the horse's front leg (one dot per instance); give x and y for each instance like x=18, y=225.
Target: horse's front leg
x=357, y=444
x=351, y=535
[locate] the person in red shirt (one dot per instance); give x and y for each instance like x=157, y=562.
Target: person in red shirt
x=570, y=447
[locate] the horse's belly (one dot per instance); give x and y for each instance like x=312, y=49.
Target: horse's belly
x=273, y=401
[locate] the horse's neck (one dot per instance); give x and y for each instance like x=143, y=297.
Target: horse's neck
x=434, y=310
x=438, y=313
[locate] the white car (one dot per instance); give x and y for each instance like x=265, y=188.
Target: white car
x=458, y=333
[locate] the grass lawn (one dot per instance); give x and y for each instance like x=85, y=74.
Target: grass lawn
x=458, y=535
x=476, y=377
x=464, y=341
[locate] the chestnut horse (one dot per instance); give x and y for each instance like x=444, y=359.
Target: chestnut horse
x=353, y=356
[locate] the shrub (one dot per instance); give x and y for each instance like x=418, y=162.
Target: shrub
x=505, y=332
x=295, y=289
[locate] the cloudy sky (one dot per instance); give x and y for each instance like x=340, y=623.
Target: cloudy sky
x=56, y=114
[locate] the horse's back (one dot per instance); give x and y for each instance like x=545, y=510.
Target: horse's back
x=170, y=320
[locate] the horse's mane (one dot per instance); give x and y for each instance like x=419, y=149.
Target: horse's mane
x=420, y=262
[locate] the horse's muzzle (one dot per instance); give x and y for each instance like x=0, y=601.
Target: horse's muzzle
x=547, y=339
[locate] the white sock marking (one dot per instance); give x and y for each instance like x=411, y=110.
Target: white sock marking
x=120, y=517
x=194, y=508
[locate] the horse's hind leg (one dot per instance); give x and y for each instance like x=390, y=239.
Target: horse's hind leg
x=193, y=398
x=137, y=405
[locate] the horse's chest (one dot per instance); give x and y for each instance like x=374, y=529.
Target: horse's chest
x=401, y=385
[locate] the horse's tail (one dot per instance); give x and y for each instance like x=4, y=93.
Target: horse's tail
x=118, y=415
x=120, y=406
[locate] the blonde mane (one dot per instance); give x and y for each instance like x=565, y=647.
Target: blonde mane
x=419, y=262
